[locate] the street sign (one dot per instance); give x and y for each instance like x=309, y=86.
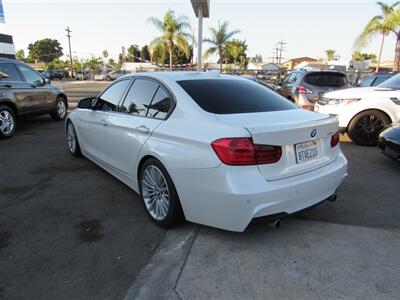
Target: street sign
x=1, y=12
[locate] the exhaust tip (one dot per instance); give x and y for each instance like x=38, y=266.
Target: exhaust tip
x=275, y=224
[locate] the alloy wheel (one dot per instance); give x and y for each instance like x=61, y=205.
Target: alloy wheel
x=7, y=122
x=155, y=192
x=369, y=127
x=71, y=138
x=61, y=109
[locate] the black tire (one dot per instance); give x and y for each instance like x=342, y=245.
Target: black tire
x=7, y=115
x=364, y=128
x=174, y=215
x=71, y=134
x=108, y=78
x=57, y=115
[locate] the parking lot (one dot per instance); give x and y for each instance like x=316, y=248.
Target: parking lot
x=69, y=230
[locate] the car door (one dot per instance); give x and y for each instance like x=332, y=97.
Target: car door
x=39, y=95
x=146, y=105
x=92, y=122
x=287, y=84
x=12, y=86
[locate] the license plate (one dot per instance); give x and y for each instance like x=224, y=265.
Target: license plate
x=306, y=151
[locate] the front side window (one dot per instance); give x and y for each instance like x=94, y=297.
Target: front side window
x=9, y=73
x=380, y=79
x=138, y=99
x=234, y=96
x=30, y=75
x=108, y=101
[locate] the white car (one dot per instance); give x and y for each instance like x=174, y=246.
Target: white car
x=364, y=112
x=212, y=149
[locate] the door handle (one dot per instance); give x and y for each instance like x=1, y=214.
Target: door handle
x=143, y=129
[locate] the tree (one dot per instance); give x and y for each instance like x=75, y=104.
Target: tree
x=330, y=54
x=385, y=23
x=133, y=54
x=57, y=64
x=105, y=53
x=220, y=36
x=358, y=56
x=20, y=55
x=257, y=59
x=45, y=50
x=173, y=35
x=144, y=53
x=236, y=52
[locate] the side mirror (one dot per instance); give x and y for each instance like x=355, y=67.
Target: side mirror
x=47, y=80
x=3, y=75
x=88, y=103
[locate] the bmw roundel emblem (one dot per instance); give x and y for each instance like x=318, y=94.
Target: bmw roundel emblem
x=313, y=133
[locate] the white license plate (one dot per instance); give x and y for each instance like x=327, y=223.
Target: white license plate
x=306, y=151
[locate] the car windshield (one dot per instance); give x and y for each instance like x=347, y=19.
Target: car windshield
x=326, y=79
x=232, y=96
x=391, y=83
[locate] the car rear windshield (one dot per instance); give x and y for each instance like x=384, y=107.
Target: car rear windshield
x=326, y=79
x=234, y=96
x=391, y=83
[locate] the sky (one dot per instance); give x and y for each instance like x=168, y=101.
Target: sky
x=307, y=27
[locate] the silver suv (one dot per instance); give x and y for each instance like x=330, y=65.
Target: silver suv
x=305, y=87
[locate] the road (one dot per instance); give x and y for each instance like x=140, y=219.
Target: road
x=69, y=230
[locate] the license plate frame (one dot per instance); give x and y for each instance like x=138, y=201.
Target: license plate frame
x=309, y=151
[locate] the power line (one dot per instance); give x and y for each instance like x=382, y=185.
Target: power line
x=70, y=52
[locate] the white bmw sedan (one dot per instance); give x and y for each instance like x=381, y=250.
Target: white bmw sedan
x=209, y=148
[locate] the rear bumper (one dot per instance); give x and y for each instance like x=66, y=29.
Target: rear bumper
x=230, y=197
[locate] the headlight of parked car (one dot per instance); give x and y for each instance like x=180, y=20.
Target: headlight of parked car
x=342, y=101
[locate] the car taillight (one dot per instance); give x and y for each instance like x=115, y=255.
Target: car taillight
x=335, y=139
x=302, y=90
x=242, y=151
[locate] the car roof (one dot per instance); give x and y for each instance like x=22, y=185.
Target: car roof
x=9, y=60
x=183, y=75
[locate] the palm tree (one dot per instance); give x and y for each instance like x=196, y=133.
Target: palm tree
x=173, y=35
x=330, y=54
x=219, y=38
x=388, y=21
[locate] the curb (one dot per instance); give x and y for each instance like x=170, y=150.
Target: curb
x=159, y=277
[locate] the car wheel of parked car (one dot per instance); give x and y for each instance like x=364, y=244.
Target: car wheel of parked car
x=108, y=78
x=72, y=140
x=365, y=127
x=8, y=122
x=60, y=112
x=159, y=194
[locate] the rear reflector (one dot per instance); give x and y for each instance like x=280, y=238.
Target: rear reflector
x=335, y=139
x=242, y=151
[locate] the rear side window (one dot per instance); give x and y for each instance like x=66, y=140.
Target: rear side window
x=160, y=105
x=326, y=79
x=138, y=99
x=234, y=96
x=10, y=71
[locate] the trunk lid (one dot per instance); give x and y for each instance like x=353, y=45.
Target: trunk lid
x=304, y=136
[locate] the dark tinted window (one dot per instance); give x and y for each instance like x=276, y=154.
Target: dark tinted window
x=138, y=99
x=11, y=71
x=392, y=83
x=110, y=98
x=380, y=79
x=160, y=105
x=326, y=79
x=233, y=96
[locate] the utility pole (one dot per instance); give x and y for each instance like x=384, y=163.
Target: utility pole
x=280, y=48
x=70, y=52
x=123, y=59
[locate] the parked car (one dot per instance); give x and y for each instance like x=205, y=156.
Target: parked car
x=305, y=87
x=115, y=74
x=23, y=91
x=209, y=148
x=52, y=74
x=389, y=141
x=82, y=75
x=374, y=80
x=363, y=112
x=263, y=83
x=100, y=76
